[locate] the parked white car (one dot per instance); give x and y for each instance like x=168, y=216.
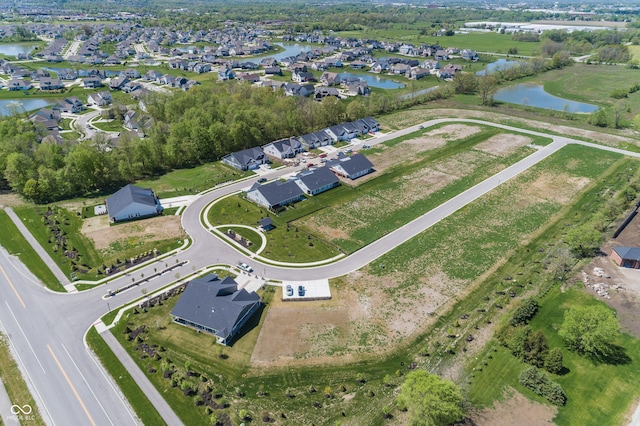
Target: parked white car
x=245, y=267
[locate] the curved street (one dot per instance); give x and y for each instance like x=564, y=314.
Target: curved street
x=46, y=329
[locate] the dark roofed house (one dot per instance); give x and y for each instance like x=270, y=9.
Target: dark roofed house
x=626, y=257
x=315, y=140
x=132, y=202
x=276, y=194
x=215, y=306
x=266, y=224
x=351, y=167
x=315, y=181
x=247, y=159
x=283, y=148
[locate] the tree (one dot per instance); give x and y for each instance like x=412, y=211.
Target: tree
x=487, y=86
x=430, y=399
x=590, y=330
x=553, y=363
x=583, y=240
x=524, y=312
x=465, y=83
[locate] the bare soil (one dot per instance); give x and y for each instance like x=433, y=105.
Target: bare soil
x=10, y=199
x=158, y=228
x=504, y=144
x=515, y=409
x=552, y=187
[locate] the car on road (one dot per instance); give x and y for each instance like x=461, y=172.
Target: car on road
x=262, y=180
x=310, y=165
x=289, y=290
x=421, y=127
x=245, y=267
x=300, y=290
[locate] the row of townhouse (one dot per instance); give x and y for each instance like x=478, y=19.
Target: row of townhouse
x=252, y=158
x=278, y=194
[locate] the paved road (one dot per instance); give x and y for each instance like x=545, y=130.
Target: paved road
x=83, y=125
x=46, y=330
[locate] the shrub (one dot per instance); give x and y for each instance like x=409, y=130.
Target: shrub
x=553, y=362
x=539, y=383
x=523, y=313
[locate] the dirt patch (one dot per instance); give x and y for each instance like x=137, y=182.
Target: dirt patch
x=558, y=188
x=503, y=145
x=10, y=199
x=515, y=410
x=153, y=229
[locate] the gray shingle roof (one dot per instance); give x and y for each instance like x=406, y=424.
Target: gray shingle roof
x=631, y=253
x=278, y=192
x=317, y=178
x=214, y=303
x=126, y=196
x=351, y=165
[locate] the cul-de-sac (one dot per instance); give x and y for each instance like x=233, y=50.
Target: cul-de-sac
x=231, y=213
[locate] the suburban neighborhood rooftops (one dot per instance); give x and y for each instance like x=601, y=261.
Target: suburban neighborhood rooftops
x=278, y=192
x=317, y=178
x=350, y=166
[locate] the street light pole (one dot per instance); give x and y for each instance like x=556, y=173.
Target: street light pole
x=108, y=306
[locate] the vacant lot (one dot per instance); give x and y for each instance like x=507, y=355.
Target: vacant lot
x=421, y=173
x=395, y=298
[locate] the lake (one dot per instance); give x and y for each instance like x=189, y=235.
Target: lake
x=9, y=106
x=374, y=80
x=291, y=49
x=531, y=94
x=500, y=64
x=13, y=49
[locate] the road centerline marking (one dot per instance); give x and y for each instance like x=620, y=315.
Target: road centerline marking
x=73, y=388
x=13, y=287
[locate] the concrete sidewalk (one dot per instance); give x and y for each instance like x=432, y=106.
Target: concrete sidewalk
x=53, y=266
x=143, y=382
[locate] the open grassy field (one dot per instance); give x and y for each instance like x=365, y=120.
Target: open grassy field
x=191, y=181
x=479, y=41
x=15, y=385
x=284, y=243
x=13, y=241
x=442, y=162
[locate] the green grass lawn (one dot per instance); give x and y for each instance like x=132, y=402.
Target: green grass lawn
x=138, y=400
x=13, y=241
x=615, y=385
x=108, y=125
x=284, y=243
x=191, y=181
x=14, y=383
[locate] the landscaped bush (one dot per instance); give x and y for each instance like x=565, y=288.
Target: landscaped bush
x=523, y=313
x=539, y=383
x=524, y=343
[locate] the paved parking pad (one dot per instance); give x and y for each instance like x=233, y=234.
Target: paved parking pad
x=313, y=290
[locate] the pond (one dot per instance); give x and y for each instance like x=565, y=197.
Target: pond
x=374, y=80
x=11, y=106
x=531, y=94
x=500, y=64
x=291, y=49
x=13, y=49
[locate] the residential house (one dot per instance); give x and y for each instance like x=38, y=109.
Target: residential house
x=316, y=181
x=272, y=71
x=302, y=76
x=246, y=159
x=323, y=92
x=248, y=78
x=400, y=69
x=226, y=73
x=330, y=78
x=342, y=132
x=47, y=118
x=152, y=75
x=130, y=73
x=19, y=84
x=118, y=83
x=626, y=257
x=380, y=66
x=67, y=74
x=430, y=64
x=283, y=148
x=71, y=105
x=276, y=194
x=358, y=88
x=315, y=140
x=418, y=73
x=48, y=83
x=293, y=89
x=469, y=55
x=92, y=82
x=351, y=167
x=100, y=99
x=215, y=306
x=441, y=55
x=201, y=68
x=132, y=202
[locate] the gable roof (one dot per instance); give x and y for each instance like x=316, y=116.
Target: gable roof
x=315, y=179
x=630, y=253
x=214, y=303
x=351, y=165
x=246, y=156
x=128, y=195
x=277, y=192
